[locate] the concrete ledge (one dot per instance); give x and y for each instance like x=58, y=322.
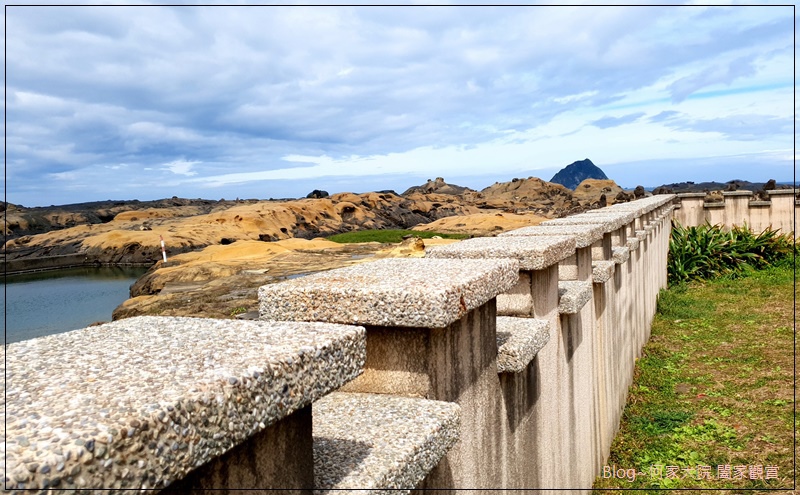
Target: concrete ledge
x=573, y=295
x=641, y=235
x=518, y=341
x=532, y=253
x=638, y=208
x=781, y=192
x=141, y=402
x=633, y=244
x=692, y=195
x=585, y=235
x=760, y=203
x=602, y=271
x=607, y=224
x=371, y=443
x=396, y=292
x=620, y=254
x=644, y=205
x=714, y=205
x=737, y=193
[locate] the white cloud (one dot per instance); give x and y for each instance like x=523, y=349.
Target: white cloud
x=181, y=167
x=289, y=92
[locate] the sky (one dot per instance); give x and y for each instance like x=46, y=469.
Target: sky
x=149, y=102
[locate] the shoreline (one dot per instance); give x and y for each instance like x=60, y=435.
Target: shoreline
x=21, y=266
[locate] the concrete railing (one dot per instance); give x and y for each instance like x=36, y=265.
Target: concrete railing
x=740, y=208
x=492, y=363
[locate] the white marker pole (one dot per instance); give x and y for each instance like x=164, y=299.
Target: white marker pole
x=163, y=249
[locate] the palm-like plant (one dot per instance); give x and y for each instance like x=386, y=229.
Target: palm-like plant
x=708, y=251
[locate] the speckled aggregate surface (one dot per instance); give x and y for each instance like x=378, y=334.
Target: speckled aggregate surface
x=641, y=235
x=140, y=402
x=636, y=208
x=608, y=224
x=585, y=234
x=648, y=204
x=573, y=296
x=624, y=216
x=602, y=271
x=532, y=252
x=633, y=243
x=620, y=254
x=395, y=292
x=518, y=342
x=379, y=444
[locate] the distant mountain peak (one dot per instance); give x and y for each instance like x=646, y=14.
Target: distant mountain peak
x=576, y=172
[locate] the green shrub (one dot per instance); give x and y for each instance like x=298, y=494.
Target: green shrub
x=709, y=251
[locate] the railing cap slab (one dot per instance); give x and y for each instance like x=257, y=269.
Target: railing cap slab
x=780, y=192
x=573, y=296
x=585, y=234
x=638, y=209
x=620, y=254
x=377, y=442
x=626, y=216
x=532, y=253
x=602, y=271
x=397, y=292
x=607, y=223
x=160, y=396
x=737, y=193
x=518, y=342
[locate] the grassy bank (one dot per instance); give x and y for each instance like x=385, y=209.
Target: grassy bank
x=711, y=405
x=388, y=236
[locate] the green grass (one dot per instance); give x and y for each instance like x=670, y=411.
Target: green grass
x=713, y=387
x=386, y=236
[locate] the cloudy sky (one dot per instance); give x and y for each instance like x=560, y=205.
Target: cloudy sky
x=256, y=102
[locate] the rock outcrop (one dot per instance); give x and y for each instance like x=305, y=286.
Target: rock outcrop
x=590, y=191
x=438, y=186
x=134, y=236
x=530, y=195
x=130, y=232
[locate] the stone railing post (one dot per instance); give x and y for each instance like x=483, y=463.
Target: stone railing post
x=782, y=210
x=558, y=430
x=430, y=333
x=737, y=208
x=691, y=212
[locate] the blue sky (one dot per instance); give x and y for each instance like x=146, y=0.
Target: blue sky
x=256, y=102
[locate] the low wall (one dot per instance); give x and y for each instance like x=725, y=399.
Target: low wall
x=740, y=208
x=492, y=363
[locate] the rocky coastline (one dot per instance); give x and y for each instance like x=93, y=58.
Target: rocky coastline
x=220, y=252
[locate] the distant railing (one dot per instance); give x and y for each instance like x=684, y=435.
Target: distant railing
x=740, y=208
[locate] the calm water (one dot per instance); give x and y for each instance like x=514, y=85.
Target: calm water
x=61, y=300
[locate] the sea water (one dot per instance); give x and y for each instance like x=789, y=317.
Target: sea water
x=56, y=301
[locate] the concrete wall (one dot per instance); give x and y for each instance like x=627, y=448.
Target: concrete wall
x=431, y=407
x=739, y=208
